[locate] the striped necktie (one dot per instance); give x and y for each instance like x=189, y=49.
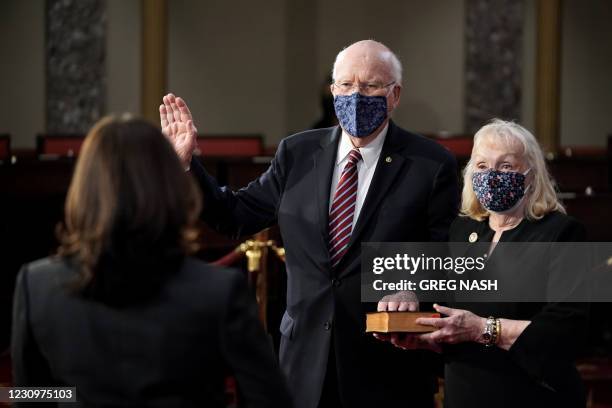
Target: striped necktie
x=343, y=209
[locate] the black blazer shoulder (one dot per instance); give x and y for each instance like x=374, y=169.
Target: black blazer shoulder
x=177, y=345
x=553, y=227
x=203, y=284
x=397, y=139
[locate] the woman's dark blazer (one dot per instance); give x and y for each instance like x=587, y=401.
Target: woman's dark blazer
x=172, y=351
x=539, y=369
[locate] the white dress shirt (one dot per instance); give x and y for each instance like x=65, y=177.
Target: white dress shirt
x=365, y=167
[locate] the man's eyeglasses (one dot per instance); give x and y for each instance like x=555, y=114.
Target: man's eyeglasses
x=368, y=89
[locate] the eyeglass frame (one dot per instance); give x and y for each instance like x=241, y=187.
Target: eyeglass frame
x=361, y=87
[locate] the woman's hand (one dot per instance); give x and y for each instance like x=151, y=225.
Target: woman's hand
x=460, y=326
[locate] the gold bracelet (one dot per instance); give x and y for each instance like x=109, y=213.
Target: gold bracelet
x=498, y=330
x=489, y=337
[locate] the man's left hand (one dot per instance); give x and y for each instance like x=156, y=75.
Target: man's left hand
x=399, y=302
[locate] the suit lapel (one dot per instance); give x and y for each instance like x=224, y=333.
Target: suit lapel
x=388, y=167
x=324, y=161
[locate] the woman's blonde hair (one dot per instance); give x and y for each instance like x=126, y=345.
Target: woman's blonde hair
x=541, y=196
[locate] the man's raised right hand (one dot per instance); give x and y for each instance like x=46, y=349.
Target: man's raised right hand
x=177, y=125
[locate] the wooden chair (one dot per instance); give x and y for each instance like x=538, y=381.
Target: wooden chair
x=459, y=144
x=230, y=145
x=58, y=145
x=5, y=148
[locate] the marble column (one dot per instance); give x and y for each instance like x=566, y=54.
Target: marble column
x=494, y=30
x=75, y=64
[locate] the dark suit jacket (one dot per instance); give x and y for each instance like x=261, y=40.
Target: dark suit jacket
x=412, y=197
x=539, y=369
x=172, y=351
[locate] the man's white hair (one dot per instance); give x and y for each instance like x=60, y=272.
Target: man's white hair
x=385, y=55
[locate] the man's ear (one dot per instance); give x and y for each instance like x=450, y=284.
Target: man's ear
x=397, y=91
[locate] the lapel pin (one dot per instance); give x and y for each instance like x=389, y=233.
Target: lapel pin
x=388, y=159
x=473, y=237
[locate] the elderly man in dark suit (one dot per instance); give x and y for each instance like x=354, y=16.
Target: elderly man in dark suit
x=329, y=190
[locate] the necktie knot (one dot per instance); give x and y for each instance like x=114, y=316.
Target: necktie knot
x=354, y=156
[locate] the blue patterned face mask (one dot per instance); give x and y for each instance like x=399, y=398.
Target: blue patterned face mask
x=360, y=115
x=499, y=191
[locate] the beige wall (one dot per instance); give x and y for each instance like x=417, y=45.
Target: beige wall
x=303, y=84
x=261, y=69
x=257, y=67
x=427, y=36
x=22, y=70
x=22, y=65
x=227, y=59
x=586, y=72
x=123, y=57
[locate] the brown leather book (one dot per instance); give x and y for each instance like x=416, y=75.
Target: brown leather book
x=389, y=322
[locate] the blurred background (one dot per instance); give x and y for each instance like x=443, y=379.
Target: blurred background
x=257, y=67
x=255, y=72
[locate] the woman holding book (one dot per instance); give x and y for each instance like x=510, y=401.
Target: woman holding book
x=508, y=354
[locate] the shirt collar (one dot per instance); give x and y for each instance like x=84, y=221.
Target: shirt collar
x=370, y=153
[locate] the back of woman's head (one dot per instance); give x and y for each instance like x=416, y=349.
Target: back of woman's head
x=130, y=212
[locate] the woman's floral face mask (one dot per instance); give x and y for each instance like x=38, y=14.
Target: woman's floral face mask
x=499, y=191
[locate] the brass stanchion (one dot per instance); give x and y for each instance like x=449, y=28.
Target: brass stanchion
x=256, y=251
